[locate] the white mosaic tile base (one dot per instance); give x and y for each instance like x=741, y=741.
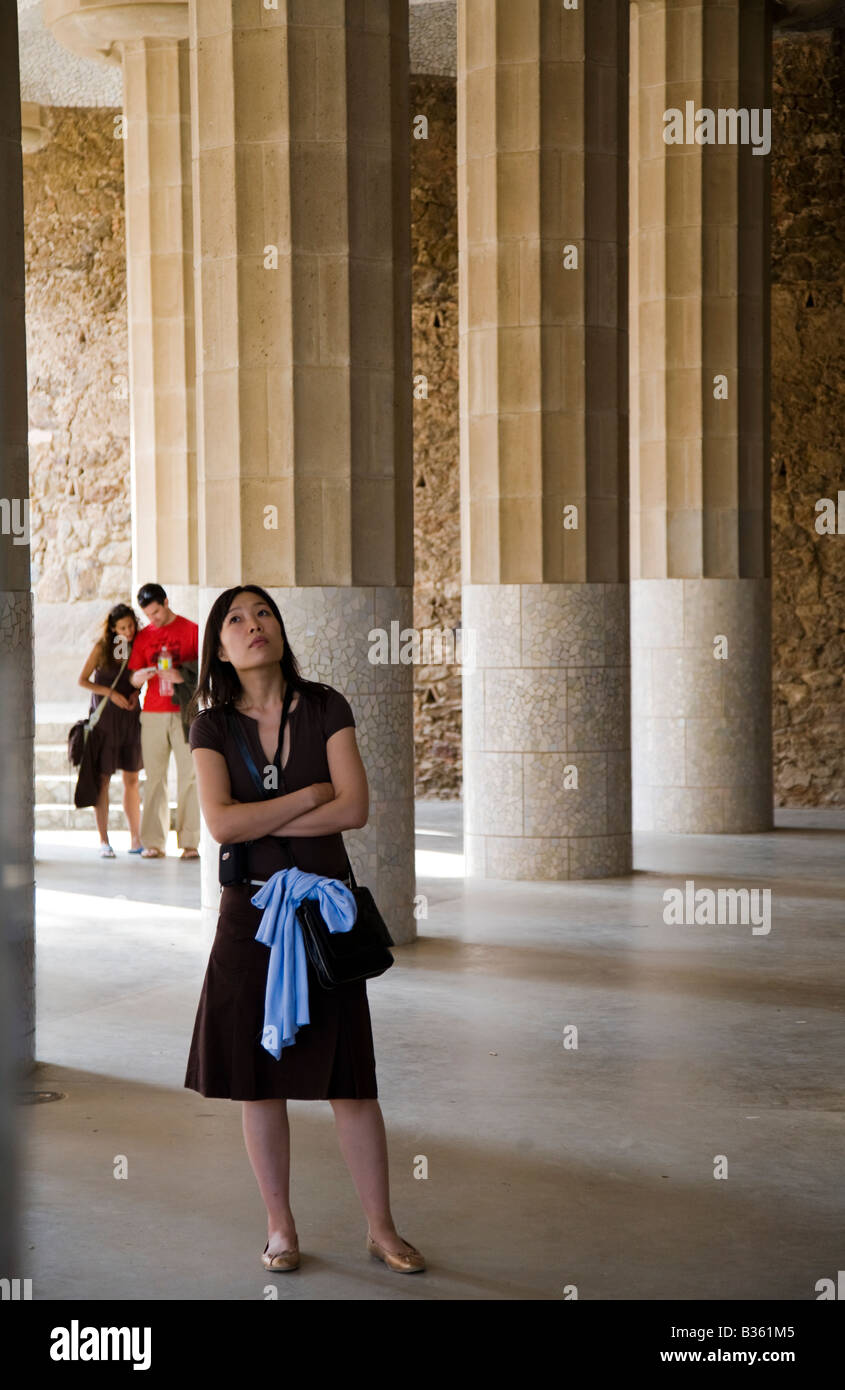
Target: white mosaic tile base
x=702, y=725
x=547, y=778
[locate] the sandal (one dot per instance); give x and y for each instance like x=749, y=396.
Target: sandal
x=152, y=854
x=411, y=1262
x=284, y=1260
x=189, y=854
x=106, y=852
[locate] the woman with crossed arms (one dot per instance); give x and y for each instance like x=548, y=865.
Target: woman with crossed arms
x=247, y=667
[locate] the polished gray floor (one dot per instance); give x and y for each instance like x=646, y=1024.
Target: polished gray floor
x=700, y=1049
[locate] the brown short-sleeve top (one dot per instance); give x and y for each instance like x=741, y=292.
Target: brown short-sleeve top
x=311, y=725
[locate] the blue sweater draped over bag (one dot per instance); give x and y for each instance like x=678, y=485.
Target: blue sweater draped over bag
x=286, y=995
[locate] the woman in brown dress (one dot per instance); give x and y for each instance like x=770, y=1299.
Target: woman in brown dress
x=116, y=737
x=247, y=666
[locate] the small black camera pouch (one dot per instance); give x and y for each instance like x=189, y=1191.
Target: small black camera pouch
x=233, y=865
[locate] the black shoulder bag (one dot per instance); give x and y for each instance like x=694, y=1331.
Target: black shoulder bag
x=338, y=958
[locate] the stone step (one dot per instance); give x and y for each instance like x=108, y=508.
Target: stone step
x=52, y=816
x=55, y=733
x=52, y=758
x=57, y=787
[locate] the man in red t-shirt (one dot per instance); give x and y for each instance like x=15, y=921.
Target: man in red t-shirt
x=158, y=652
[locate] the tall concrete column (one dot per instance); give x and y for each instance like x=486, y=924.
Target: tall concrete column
x=149, y=39
x=17, y=933
x=302, y=214
x=701, y=663
x=543, y=229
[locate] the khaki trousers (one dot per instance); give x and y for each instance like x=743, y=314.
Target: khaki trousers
x=161, y=735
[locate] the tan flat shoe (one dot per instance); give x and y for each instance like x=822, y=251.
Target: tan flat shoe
x=189, y=854
x=152, y=854
x=286, y=1259
x=409, y=1263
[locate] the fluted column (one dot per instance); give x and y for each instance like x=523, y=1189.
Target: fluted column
x=302, y=216
x=542, y=226
x=150, y=40
x=701, y=674
x=17, y=936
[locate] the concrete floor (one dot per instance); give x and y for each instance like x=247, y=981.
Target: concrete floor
x=547, y=1166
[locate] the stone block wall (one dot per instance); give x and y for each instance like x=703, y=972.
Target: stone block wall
x=808, y=416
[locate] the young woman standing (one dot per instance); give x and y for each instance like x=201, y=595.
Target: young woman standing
x=116, y=738
x=247, y=667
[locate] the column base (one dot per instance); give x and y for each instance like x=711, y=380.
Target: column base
x=547, y=731
x=701, y=681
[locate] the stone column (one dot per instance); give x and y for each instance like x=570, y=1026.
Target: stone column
x=150, y=40
x=17, y=933
x=543, y=228
x=701, y=675
x=302, y=214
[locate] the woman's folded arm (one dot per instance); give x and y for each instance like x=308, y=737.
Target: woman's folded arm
x=349, y=808
x=230, y=821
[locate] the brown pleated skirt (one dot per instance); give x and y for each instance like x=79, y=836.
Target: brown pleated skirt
x=333, y=1055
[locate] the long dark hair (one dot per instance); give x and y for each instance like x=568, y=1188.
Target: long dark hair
x=106, y=653
x=219, y=683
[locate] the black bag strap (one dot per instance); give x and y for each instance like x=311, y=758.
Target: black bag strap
x=243, y=746
x=91, y=721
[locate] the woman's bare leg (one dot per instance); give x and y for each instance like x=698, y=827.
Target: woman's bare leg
x=267, y=1137
x=101, y=810
x=363, y=1143
x=132, y=807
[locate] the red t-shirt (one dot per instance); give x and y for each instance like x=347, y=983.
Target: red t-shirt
x=181, y=637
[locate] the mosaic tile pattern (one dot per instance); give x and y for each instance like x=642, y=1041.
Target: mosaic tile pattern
x=472, y=708
x=525, y=859
x=549, y=695
x=602, y=856
x=524, y=711
x=500, y=813
x=555, y=809
x=329, y=630
x=494, y=618
x=598, y=713
x=563, y=625
x=618, y=774
x=701, y=726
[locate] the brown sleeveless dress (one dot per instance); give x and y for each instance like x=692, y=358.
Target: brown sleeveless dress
x=116, y=740
x=333, y=1055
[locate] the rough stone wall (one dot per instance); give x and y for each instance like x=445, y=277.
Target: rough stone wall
x=78, y=388
x=437, y=545
x=808, y=416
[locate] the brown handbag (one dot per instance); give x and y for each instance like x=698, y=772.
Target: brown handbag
x=87, y=783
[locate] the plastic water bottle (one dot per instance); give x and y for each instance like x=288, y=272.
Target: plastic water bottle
x=164, y=664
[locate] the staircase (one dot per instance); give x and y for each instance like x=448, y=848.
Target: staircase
x=55, y=777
